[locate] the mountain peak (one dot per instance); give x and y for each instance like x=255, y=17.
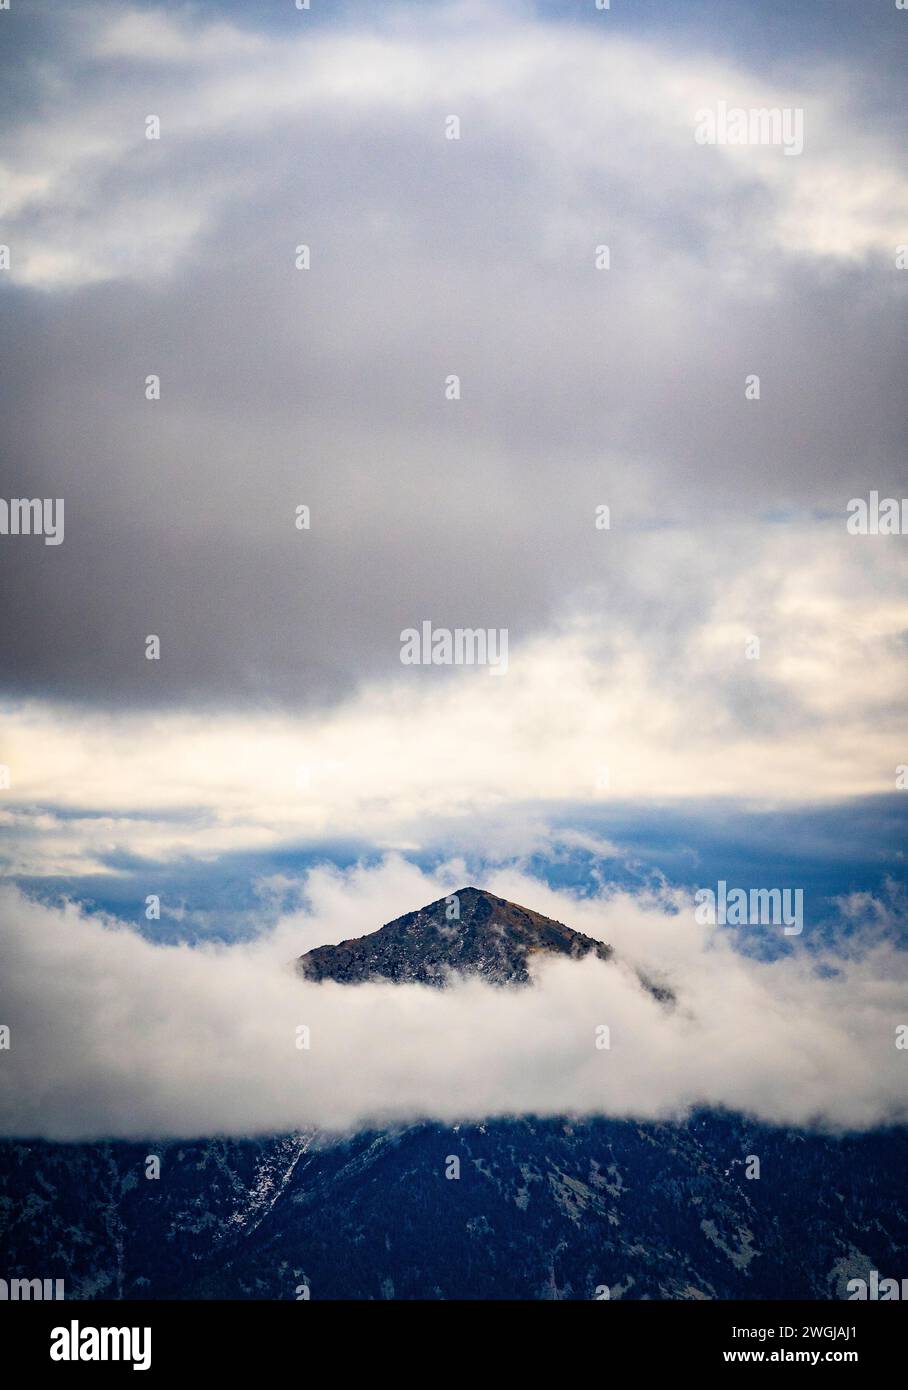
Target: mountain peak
x=471, y=932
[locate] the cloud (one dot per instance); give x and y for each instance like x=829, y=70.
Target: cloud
x=591, y=715
x=429, y=256
x=212, y=82
x=114, y=1036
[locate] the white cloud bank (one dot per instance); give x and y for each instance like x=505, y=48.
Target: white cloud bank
x=114, y=1036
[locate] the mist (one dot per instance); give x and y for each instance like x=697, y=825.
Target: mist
x=112, y=1035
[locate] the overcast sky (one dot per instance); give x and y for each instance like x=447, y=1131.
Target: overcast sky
x=429, y=256
x=580, y=387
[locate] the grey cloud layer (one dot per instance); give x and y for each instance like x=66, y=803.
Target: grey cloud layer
x=429, y=257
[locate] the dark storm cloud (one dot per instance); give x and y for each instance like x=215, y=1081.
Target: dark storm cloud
x=327, y=388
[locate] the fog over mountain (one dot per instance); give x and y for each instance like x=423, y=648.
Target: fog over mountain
x=114, y=1036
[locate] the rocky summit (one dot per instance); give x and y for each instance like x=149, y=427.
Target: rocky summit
x=470, y=932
